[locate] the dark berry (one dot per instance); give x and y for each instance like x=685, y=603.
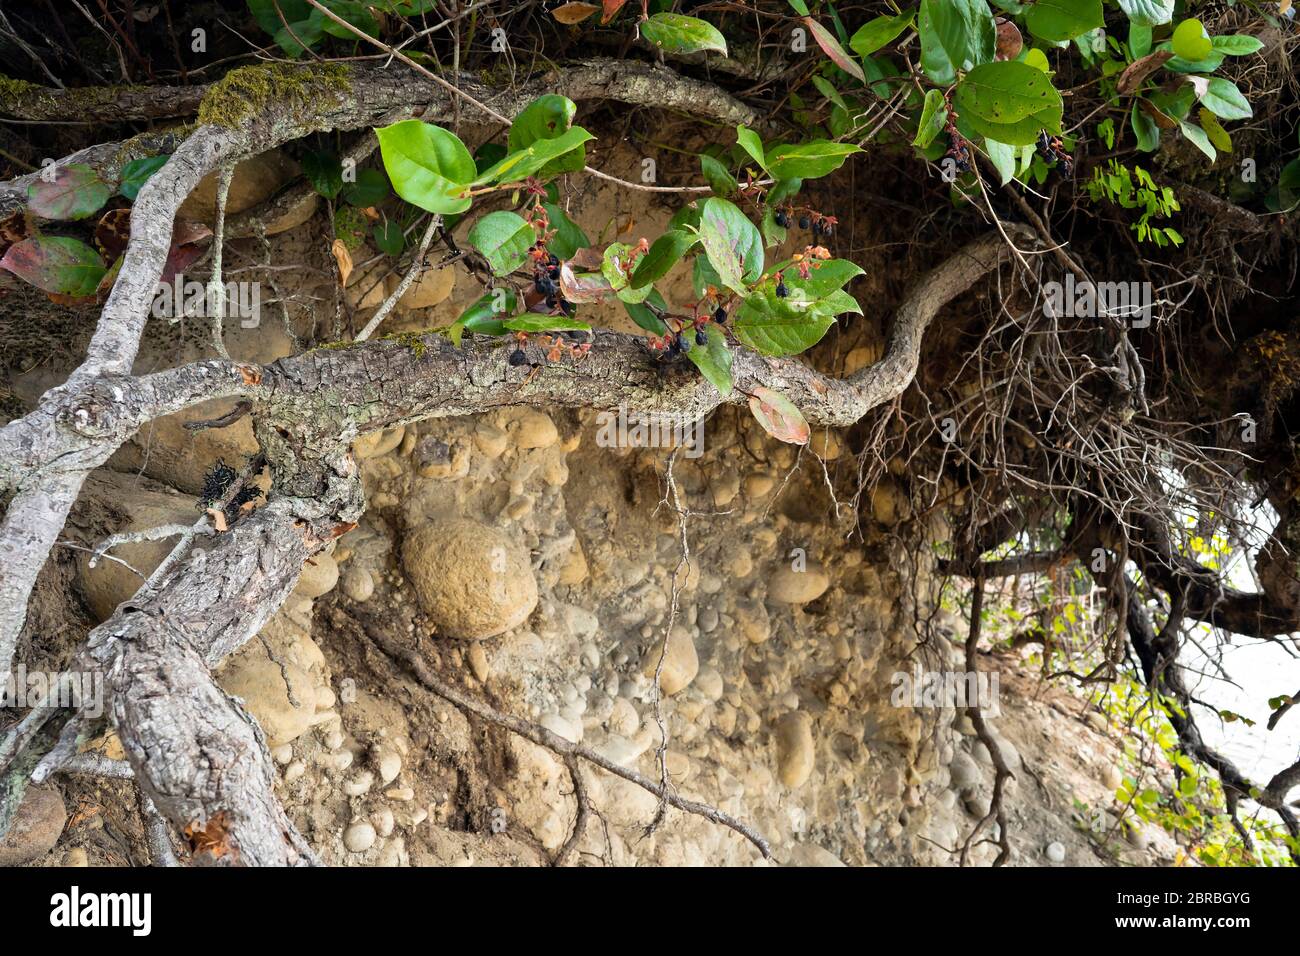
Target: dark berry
x=517, y=357
x=683, y=343
x=720, y=315
x=816, y=229
x=781, y=290
x=567, y=307
x=551, y=301
x=782, y=218
x=826, y=229
x=803, y=222
x=552, y=260
x=554, y=272
x=701, y=338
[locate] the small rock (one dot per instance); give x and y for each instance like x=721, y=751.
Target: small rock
x=623, y=718
x=534, y=429
x=359, y=837
x=1055, y=852
x=794, y=749
x=490, y=440
x=478, y=662
x=36, y=827
x=680, y=664
x=753, y=621
x=964, y=771
x=798, y=587
x=319, y=575
x=389, y=764
x=358, y=585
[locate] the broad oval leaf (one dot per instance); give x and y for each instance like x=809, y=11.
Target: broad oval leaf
x=779, y=416
x=1009, y=102
x=965, y=31
x=715, y=174
x=808, y=160
x=137, y=172
x=1224, y=100
x=74, y=192
x=542, y=157
x=934, y=114
x=713, y=359
x=547, y=117
x=428, y=166
x=665, y=252
x=771, y=326
x=675, y=33
x=1190, y=41
x=56, y=264
x=732, y=243
x=749, y=141
x=874, y=34
x=504, y=238
x=1060, y=20
x=1238, y=44
x=1148, y=13
x=569, y=237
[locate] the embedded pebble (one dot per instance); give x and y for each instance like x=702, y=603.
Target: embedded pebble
x=359, y=837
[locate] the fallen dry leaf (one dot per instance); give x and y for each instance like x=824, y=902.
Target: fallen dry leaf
x=343, y=258
x=571, y=13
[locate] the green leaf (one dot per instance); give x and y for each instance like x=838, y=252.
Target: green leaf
x=748, y=140
x=569, y=237
x=299, y=36
x=643, y=316
x=665, y=252
x=874, y=34
x=1190, y=41
x=1148, y=13
x=715, y=174
x=1060, y=20
x=826, y=277
x=75, y=192
x=389, y=238
x=324, y=171
x=771, y=326
x=934, y=59
x=547, y=117
x=1009, y=102
x=536, y=322
x=933, y=117
x=1139, y=41
x=504, y=238
x=1198, y=139
x=369, y=189
x=732, y=243
x=541, y=157
x=783, y=189
x=675, y=33
x=1224, y=100
x=714, y=359
x=965, y=30
x=429, y=167
x=1038, y=60
x=484, y=316
x=56, y=264
x=1238, y=44
x=267, y=17
x=1003, y=158
x=808, y=160
x=831, y=47
x=137, y=172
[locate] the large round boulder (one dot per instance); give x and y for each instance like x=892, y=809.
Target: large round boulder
x=472, y=580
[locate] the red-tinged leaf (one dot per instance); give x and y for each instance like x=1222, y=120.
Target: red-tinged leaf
x=106, y=283
x=1139, y=70
x=75, y=192
x=587, y=287
x=571, y=13
x=826, y=40
x=112, y=233
x=186, y=247
x=1010, y=42
x=589, y=257
x=779, y=416
x=12, y=229
x=55, y=264
x=611, y=9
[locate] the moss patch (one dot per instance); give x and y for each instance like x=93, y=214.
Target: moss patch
x=249, y=90
x=19, y=97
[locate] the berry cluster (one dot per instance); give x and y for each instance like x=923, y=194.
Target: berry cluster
x=822, y=226
x=573, y=342
x=676, y=341
x=215, y=485
x=1053, y=152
